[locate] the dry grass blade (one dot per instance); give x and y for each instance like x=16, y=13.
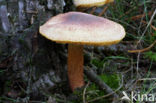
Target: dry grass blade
x=140, y=16
x=126, y=13
x=142, y=50
x=145, y=79
x=153, y=27
x=153, y=15
x=84, y=93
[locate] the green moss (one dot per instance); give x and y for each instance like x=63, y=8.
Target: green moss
x=93, y=90
x=111, y=79
x=151, y=55
x=97, y=63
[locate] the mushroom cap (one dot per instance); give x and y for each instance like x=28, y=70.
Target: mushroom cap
x=82, y=28
x=90, y=3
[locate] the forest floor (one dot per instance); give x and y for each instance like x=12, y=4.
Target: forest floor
x=128, y=68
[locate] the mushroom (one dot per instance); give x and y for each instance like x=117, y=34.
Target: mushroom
x=90, y=3
x=78, y=29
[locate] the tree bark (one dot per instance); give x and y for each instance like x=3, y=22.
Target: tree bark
x=39, y=64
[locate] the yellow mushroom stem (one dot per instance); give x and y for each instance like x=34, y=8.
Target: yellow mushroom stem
x=75, y=66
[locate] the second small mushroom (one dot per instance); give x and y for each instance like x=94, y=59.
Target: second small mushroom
x=78, y=29
x=90, y=3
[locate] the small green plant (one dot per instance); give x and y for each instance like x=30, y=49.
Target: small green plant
x=151, y=55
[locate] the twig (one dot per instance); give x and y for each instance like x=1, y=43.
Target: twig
x=84, y=92
x=138, y=60
x=143, y=50
x=93, y=10
x=103, y=11
x=94, y=78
